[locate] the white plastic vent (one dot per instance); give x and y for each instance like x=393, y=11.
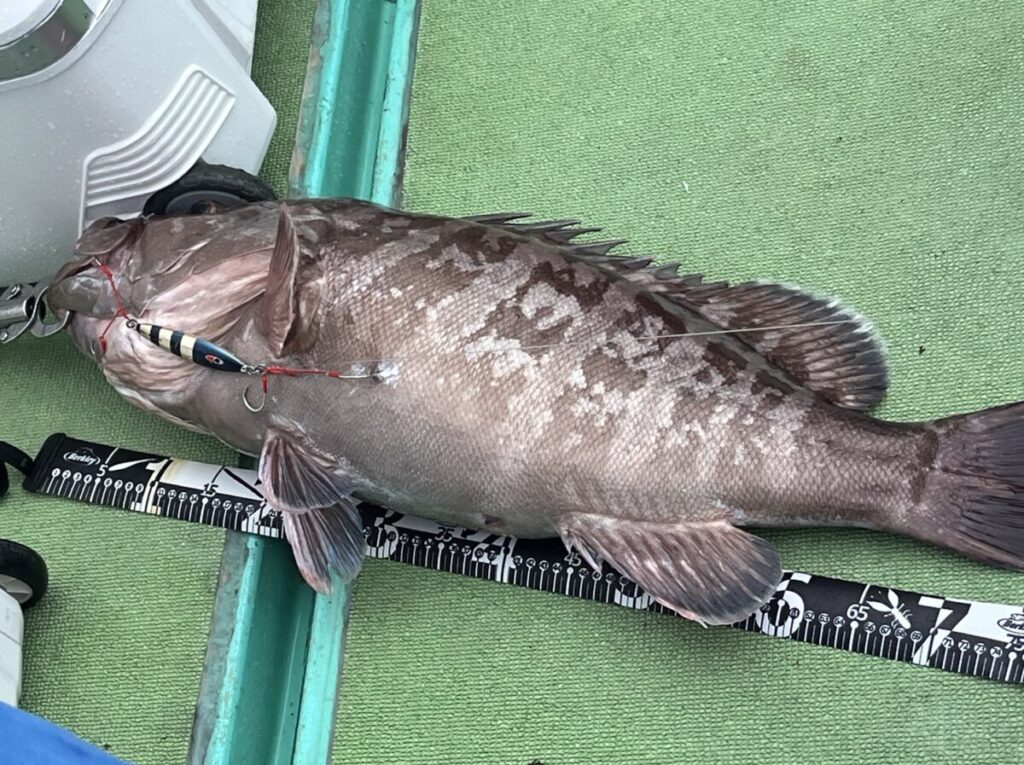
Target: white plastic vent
x=165, y=147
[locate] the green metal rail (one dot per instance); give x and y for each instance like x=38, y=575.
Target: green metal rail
x=272, y=678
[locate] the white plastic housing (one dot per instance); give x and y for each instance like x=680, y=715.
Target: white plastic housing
x=12, y=628
x=151, y=88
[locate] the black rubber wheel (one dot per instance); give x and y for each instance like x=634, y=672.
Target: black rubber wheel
x=23, y=573
x=193, y=193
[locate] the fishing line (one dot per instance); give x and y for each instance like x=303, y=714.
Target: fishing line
x=121, y=313
x=668, y=336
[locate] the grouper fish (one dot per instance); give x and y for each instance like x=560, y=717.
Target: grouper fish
x=526, y=381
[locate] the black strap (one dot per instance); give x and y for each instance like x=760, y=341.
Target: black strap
x=16, y=458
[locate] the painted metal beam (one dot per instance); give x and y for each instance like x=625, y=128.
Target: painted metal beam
x=271, y=683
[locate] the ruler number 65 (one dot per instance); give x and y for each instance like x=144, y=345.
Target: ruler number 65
x=857, y=611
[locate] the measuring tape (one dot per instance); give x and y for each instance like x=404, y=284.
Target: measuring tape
x=967, y=637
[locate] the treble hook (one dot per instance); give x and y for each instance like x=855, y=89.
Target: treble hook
x=249, y=406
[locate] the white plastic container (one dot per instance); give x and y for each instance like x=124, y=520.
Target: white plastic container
x=24, y=579
x=12, y=627
x=105, y=102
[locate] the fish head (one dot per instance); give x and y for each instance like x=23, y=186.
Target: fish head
x=147, y=264
x=202, y=275
x=194, y=273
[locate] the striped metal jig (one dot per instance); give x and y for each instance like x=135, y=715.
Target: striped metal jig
x=194, y=349
x=212, y=356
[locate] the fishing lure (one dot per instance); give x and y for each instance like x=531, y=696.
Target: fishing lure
x=210, y=355
x=194, y=349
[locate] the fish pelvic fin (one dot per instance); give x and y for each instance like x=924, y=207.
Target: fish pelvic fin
x=709, y=572
x=326, y=540
x=973, y=492
x=296, y=478
x=321, y=520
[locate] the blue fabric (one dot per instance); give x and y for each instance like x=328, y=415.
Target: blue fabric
x=25, y=738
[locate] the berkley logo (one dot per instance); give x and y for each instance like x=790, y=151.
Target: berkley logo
x=82, y=457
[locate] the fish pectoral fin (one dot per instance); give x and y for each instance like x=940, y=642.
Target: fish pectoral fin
x=321, y=520
x=325, y=540
x=710, y=572
x=280, y=309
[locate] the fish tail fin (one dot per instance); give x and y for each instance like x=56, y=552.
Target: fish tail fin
x=326, y=540
x=973, y=496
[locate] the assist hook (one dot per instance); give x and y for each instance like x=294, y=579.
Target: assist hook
x=248, y=404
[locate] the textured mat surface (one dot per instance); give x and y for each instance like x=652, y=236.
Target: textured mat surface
x=115, y=650
x=868, y=151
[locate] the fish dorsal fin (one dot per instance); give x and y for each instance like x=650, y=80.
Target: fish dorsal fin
x=711, y=572
x=822, y=345
x=840, y=360
x=320, y=517
x=559, y=233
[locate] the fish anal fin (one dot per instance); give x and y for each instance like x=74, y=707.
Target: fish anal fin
x=710, y=572
x=320, y=517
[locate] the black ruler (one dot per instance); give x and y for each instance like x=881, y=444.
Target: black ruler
x=967, y=637
x=214, y=495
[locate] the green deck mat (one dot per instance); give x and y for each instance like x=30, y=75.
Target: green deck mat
x=870, y=151
x=115, y=650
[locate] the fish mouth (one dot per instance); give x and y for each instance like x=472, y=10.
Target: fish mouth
x=80, y=287
x=71, y=269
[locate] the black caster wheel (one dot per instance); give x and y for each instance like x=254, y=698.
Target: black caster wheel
x=208, y=187
x=23, y=573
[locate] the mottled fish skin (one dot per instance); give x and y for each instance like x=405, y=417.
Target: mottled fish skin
x=526, y=393
x=693, y=425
